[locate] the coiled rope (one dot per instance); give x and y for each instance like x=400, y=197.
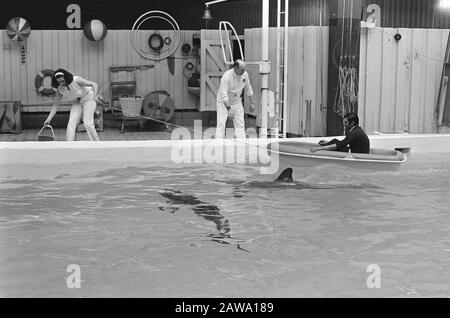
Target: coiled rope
x=346, y=97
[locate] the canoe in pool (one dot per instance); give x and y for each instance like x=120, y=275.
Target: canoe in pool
x=299, y=154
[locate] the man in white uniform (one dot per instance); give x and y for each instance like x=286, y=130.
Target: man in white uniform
x=229, y=103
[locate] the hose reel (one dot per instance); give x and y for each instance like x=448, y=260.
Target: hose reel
x=159, y=105
x=159, y=48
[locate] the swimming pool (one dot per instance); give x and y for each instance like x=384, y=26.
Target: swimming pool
x=139, y=226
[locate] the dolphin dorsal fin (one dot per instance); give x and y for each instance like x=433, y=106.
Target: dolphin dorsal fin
x=285, y=176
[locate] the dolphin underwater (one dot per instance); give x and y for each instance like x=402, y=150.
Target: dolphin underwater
x=202, y=209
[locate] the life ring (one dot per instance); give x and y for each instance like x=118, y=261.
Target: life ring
x=39, y=83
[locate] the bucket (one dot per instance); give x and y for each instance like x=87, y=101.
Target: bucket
x=44, y=134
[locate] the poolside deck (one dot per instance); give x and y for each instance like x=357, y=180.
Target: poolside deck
x=109, y=134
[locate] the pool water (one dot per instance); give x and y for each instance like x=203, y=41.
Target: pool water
x=215, y=231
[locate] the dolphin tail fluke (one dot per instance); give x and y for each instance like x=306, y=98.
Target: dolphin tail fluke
x=285, y=176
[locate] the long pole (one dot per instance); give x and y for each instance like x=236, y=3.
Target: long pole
x=286, y=67
x=264, y=77
x=213, y=2
x=278, y=71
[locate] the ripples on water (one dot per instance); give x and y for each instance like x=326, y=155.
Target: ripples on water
x=226, y=231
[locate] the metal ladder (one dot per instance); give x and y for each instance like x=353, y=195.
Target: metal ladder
x=119, y=86
x=281, y=93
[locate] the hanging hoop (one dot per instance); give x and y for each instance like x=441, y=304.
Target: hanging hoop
x=162, y=54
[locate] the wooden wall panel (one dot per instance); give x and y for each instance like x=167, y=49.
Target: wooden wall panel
x=305, y=56
x=51, y=49
x=362, y=84
x=252, y=52
x=440, y=58
x=325, y=32
x=212, y=67
x=399, y=80
x=418, y=80
x=374, y=75
x=388, y=80
x=2, y=67
x=23, y=80
x=295, y=95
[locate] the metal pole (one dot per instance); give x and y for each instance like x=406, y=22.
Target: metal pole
x=278, y=71
x=286, y=66
x=264, y=77
x=213, y=2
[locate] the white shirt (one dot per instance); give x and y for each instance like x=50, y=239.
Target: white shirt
x=73, y=90
x=231, y=86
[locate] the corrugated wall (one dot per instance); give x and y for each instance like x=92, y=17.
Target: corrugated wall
x=426, y=14
x=394, y=13
x=248, y=14
x=120, y=14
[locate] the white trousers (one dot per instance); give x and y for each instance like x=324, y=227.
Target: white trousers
x=86, y=107
x=238, y=120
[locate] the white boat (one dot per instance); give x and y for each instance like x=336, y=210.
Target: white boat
x=298, y=154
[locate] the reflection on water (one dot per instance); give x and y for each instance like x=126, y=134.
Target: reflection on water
x=311, y=237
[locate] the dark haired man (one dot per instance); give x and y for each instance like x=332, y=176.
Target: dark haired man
x=355, y=140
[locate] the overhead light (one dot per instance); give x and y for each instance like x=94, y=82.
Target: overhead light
x=444, y=4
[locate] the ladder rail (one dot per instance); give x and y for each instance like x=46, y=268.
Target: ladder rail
x=278, y=98
x=281, y=91
x=116, y=84
x=286, y=65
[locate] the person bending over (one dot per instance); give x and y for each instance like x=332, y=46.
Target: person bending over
x=83, y=94
x=355, y=140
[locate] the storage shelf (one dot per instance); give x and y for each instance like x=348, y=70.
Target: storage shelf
x=124, y=83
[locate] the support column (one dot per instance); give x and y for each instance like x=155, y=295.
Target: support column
x=265, y=76
x=344, y=18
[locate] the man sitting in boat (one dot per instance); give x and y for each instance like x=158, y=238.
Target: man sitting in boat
x=355, y=140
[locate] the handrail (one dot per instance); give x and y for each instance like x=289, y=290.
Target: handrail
x=223, y=24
